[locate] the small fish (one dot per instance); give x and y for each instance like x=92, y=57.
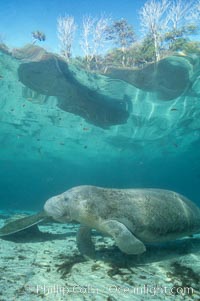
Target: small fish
x=40, y=150
x=174, y=109
x=85, y=129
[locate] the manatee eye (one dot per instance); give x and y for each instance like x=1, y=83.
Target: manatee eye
x=66, y=199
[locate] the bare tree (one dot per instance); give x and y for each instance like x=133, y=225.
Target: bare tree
x=154, y=20
x=182, y=22
x=87, y=34
x=180, y=13
x=66, y=28
x=194, y=12
x=93, y=39
x=100, y=32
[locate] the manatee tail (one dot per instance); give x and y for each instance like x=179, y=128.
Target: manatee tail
x=23, y=223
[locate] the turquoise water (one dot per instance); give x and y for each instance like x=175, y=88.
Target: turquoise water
x=45, y=150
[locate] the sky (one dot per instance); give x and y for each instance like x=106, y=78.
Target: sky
x=18, y=18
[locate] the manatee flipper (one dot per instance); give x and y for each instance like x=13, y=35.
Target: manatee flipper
x=125, y=240
x=22, y=223
x=84, y=241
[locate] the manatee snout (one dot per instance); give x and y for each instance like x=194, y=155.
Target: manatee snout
x=57, y=209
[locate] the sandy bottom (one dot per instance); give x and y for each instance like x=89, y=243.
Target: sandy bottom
x=47, y=266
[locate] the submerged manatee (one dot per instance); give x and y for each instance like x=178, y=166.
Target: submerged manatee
x=132, y=217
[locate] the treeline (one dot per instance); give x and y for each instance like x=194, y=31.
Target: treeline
x=167, y=26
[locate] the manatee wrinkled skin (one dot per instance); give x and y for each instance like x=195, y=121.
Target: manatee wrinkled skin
x=132, y=217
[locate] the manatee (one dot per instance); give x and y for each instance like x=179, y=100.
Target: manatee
x=77, y=91
x=132, y=217
x=169, y=78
